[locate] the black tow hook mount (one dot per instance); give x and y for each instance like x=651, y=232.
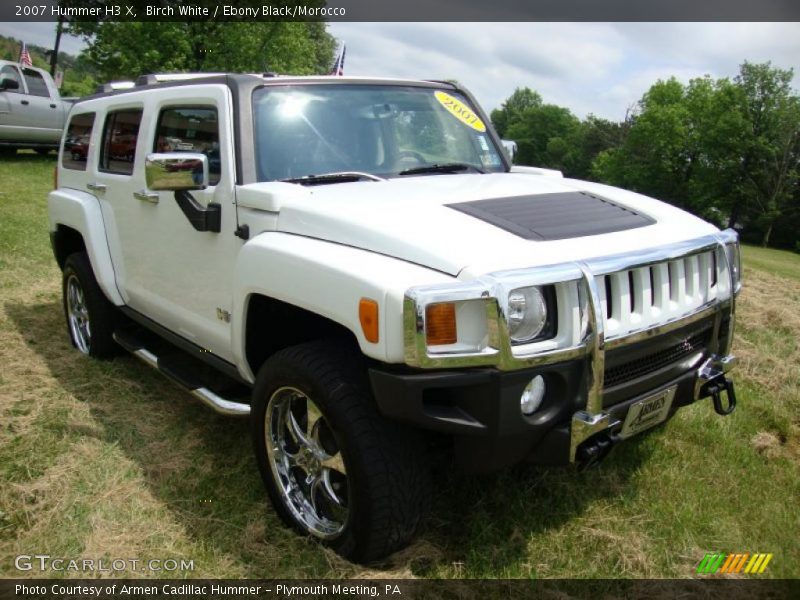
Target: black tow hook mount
x=593, y=451
x=716, y=388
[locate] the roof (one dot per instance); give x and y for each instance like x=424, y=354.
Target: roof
x=159, y=80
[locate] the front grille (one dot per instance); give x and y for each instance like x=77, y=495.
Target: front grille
x=640, y=298
x=649, y=363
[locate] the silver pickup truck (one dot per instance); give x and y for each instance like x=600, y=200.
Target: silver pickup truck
x=32, y=112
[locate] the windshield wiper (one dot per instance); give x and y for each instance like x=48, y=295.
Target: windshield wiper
x=324, y=178
x=440, y=168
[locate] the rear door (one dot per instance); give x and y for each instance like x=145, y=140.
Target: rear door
x=175, y=275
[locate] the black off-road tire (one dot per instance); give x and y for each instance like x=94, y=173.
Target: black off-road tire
x=103, y=315
x=387, y=476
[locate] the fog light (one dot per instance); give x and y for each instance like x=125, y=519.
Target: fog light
x=532, y=396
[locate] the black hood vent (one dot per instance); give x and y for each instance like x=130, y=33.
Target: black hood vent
x=558, y=216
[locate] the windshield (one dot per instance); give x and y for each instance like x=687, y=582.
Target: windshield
x=380, y=130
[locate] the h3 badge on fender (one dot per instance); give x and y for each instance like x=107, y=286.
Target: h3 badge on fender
x=648, y=412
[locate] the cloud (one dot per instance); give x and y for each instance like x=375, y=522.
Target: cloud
x=491, y=59
x=600, y=68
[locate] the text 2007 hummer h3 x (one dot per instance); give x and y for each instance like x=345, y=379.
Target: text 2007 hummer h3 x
x=356, y=266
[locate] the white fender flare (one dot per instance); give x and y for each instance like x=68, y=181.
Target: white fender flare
x=327, y=279
x=81, y=212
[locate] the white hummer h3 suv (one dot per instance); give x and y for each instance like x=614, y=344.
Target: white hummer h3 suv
x=355, y=265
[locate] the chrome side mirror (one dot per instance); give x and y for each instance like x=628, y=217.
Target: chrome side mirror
x=176, y=171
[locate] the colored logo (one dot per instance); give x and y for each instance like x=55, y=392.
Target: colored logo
x=460, y=111
x=719, y=562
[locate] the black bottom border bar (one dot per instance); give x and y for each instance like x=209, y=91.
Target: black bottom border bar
x=456, y=589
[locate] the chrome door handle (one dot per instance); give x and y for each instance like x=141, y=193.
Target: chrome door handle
x=96, y=187
x=146, y=196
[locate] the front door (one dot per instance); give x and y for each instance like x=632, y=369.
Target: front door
x=165, y=269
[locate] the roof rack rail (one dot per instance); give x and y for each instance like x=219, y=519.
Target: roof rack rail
x=113, y=86
x=442, y=81
x=154, y=78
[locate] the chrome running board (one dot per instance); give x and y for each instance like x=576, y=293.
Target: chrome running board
x=206, y=396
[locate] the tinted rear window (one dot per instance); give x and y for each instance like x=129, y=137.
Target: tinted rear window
x=76, y=143
x=36, y=84
x=120, y=136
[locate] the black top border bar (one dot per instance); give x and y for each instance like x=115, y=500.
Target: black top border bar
x=403, y=10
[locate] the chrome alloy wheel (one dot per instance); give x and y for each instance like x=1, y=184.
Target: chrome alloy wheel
x=78, y=315
x=306, y=463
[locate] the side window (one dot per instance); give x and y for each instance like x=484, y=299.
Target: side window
x=36, y=84
x=190, y=129
x=9, y=72
x=120, y=134
x=76, y=143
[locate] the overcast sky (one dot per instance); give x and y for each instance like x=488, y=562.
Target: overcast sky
x=600, y=68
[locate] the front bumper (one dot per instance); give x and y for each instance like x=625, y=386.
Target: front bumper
x=480, y=407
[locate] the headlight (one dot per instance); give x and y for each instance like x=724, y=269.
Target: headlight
x=735, y=264
x=527, y=314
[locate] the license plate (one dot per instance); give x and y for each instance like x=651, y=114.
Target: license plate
x=648, y=412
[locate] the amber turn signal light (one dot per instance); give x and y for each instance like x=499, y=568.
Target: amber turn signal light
x=368, y=315
x=440, y=324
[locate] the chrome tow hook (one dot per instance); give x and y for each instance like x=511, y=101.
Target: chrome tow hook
x=716, y=388
x=711, y=381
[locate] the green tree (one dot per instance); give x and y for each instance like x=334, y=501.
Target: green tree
x=125, y=50
x=656, y=157
x=512, y=109
x=551, y=136
x=593, y=136
x=727, y=150
x=542, y=133
x=770, y=146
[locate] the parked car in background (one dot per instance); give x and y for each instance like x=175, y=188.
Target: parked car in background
x=77, y=147
x=32, y=112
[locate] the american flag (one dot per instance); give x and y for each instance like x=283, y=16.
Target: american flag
x=25, y=57
x=338, y=65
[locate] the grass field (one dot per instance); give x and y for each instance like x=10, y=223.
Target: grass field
x=108, y=459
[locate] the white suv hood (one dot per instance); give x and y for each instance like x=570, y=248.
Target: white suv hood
x=407, y=218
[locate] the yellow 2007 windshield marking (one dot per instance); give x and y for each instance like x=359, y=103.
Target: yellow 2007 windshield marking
x=460, y=111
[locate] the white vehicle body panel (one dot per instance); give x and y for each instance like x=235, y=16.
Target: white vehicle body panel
x=329, y=280
x=165, y=269
x=408, y=219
